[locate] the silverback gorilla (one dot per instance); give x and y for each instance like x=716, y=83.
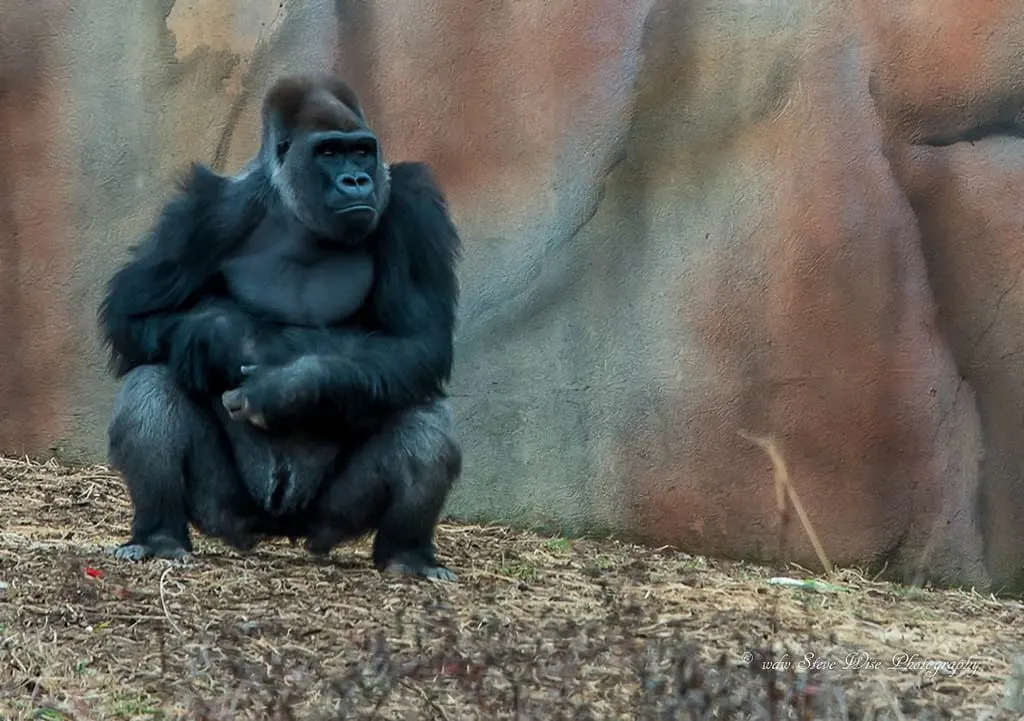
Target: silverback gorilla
x=283, y=338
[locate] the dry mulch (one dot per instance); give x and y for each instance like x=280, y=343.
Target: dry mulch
x=536, y=628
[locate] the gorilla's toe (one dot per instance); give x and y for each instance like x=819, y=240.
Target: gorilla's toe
x=420, y=569
x=157, y=546
x=440, y=573
x=131, y=552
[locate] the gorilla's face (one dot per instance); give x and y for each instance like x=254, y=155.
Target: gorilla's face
x=334, y=180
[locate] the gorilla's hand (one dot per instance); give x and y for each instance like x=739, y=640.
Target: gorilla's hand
x=269, y=395
x=209, y=347
x=245, y=403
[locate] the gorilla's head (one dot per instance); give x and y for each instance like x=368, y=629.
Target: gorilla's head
x=322, y=158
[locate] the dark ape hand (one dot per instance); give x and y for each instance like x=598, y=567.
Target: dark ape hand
x=269, y=394
x=246, y=403
x=209, y=347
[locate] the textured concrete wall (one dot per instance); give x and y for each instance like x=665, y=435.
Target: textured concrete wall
x=684, y=219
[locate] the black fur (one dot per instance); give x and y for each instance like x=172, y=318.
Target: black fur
x=249, y=425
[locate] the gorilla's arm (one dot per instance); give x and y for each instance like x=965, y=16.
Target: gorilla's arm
x=355, y=377
x=149, y=314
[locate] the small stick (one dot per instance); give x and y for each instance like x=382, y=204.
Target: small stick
x=784, y=487
x=163, y=601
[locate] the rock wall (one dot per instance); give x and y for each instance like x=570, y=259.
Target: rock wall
x=684, y=221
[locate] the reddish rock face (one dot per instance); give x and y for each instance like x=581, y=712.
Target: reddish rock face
x=684, y=221
x=36, y=171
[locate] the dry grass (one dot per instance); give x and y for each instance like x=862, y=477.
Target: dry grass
x=537, y=628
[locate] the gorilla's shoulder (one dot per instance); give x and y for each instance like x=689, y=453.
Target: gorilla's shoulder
x=217, y=207
x=206, y=218
x=415, y=179
x=417, y=216
x=203, y=184
x=201, y=181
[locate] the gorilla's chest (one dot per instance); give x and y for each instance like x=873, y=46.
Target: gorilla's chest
x=300, y=283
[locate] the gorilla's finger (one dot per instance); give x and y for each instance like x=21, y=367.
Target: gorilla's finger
x=235, y=403
x=239, y=409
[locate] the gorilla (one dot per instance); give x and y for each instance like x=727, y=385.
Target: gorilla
x=283, y=338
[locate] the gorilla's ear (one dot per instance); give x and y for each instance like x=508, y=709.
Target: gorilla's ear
x=281, y=149
x=276, y=134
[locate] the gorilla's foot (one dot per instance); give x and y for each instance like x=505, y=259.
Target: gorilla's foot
x=410, y=564
x=318, y=546
x=244, y=542
x=159, y=545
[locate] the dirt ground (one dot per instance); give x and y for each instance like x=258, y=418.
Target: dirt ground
x=535, y=628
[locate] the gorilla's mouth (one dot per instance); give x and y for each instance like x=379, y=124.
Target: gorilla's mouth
x=350, y=209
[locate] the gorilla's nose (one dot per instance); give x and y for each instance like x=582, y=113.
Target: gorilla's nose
x=355, y=186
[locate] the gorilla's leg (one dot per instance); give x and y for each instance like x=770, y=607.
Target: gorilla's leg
x=171, y=455
x=397, y=482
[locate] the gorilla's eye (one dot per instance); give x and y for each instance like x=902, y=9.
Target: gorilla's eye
x=330, y=148
x=282, y=148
